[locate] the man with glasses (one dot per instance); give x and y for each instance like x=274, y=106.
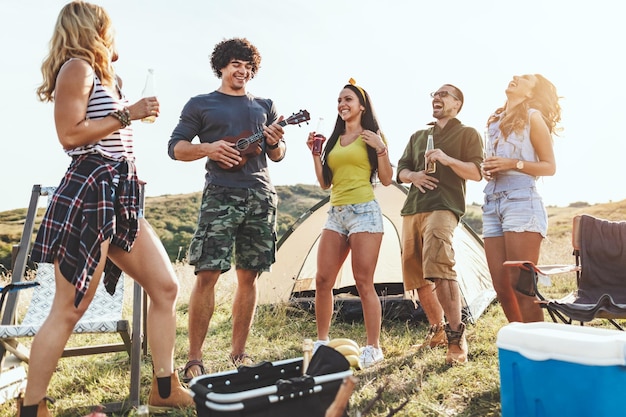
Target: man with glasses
x=431, y=212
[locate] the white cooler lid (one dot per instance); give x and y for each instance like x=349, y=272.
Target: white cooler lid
x=570, y=343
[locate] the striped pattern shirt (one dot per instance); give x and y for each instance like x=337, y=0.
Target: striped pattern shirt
x=119, y=144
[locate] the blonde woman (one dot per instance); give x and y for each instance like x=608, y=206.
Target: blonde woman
x=94, y=219
x=518, y=151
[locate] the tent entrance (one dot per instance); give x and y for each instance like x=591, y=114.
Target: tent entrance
x=394, y=303
x=292, y=279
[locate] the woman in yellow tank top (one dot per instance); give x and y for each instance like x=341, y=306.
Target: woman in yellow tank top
x=354, y=157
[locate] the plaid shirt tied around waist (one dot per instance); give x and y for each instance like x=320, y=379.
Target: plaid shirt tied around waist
x=97, y=200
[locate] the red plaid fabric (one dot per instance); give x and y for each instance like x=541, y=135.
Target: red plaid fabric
x=97, y=200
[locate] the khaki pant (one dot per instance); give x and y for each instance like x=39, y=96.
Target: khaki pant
x=427, y=250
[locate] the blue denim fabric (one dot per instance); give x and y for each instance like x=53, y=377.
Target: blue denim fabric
x=514, y=211
x=355, y=218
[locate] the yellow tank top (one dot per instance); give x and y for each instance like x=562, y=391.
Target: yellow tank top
x=351, y=174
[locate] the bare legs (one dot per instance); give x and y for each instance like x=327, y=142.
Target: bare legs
x=202, y=307
x=365, y=250
x=430, y=304
x=244, y=306
x=332, y=253
x=50, y=340
x=513, y=246
x=156, y=277
x=150, y=266
x=501, y=278
x=449, y=295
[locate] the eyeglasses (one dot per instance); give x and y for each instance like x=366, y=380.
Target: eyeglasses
x=443, y=94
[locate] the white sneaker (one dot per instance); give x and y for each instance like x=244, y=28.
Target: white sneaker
x=370, y=355
x=319, y=343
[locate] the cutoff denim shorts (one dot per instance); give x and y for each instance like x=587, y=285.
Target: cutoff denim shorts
x=355, y=218
x=514, y=211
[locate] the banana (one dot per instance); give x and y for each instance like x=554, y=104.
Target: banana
x=354, y=361
x=343, y=341
x=347, y=350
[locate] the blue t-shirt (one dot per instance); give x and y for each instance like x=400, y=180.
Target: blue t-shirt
x=215, y=116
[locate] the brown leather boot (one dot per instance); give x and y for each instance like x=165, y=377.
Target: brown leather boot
x=179, y=397
x=42, y=407
x=457, y=345
x=436, y=337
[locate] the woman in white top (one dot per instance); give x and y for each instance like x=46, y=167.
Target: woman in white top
x=518, y=151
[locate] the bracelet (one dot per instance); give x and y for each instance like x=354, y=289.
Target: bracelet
x=275, y=146
x=123, y=116
x=382, y=153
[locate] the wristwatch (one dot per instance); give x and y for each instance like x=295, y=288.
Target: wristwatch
x=519, y=165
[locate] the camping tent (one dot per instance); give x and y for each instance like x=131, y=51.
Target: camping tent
x=292, y=278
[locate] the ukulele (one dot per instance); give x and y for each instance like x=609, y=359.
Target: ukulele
x=250, y=147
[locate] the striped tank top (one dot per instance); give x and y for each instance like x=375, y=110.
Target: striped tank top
x=119, y=144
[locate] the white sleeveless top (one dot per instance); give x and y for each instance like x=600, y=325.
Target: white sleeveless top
x=119, y=144
x=516, y=146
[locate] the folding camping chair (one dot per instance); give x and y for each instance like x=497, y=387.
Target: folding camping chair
x=600, y=266
x=104, y=315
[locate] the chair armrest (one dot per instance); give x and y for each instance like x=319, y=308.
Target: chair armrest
x=543, y=269
x=531, y=275
x=528, y=277
x=15, y=286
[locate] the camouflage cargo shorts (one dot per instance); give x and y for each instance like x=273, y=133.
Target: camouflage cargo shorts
x=235, y=218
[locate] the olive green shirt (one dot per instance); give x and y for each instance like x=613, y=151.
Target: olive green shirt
x=457, y=141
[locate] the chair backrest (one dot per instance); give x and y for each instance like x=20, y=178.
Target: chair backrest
x=603, y=260
x=104, y=307
x=104, y=315
x=576, y=238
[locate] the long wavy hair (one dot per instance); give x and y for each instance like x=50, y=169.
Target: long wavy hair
x=368, y=122
x=543, y=98
x=83, y=30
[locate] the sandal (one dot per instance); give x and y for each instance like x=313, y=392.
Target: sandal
x=243, y=359
x=193, y=362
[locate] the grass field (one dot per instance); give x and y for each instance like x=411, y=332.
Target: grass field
x=431, y=388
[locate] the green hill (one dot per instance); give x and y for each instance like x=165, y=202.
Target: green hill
x=174, y=217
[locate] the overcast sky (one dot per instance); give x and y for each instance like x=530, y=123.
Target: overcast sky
x=399, y=51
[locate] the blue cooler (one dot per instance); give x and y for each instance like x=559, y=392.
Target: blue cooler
x=553, y=369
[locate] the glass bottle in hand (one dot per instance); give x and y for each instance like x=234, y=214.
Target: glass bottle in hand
x=431, y=166
x=319, y=138
x=149, y=90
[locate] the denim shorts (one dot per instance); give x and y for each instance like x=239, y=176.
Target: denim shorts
x=514, y=211
x=355, y=218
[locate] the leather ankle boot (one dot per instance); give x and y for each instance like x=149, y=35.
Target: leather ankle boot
x=436, y=337
x=42, y=407
x=179, y=397
x=457, y=345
